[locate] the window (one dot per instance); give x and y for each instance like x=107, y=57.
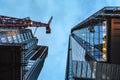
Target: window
x=19, y=38
x=15, y=39
x=10, y=39
x=3, y=40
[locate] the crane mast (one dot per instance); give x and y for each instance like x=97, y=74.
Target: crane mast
x=6, y=21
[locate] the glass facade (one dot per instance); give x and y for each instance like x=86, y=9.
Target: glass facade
x=78, y=52
x=78, y=66
x=88, y=55
x=93, y=47
x=93, y=41
x=31, y=55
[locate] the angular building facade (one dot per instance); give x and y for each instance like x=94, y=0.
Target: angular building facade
x=93, y=51
x=20, y=56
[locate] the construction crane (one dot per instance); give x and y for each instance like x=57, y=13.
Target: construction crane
x=6, y=21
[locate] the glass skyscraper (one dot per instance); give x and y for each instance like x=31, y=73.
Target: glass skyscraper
x=20, y=56
x=93, y=50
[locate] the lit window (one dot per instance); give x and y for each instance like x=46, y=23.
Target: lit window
x=92, y=48
x=10, y=39
x=3, y=40
x=104, y=48
x=15, y=39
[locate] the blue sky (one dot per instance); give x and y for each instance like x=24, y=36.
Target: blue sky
x=66, y=14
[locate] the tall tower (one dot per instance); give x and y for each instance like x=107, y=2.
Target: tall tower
x=94, y=47
x=20, y=56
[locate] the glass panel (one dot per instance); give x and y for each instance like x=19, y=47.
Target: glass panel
x=25, y=36
x=77, y=51
x=84, y=70
x=29, y=35
x=15, y=39
x=22, y=38
x=19, y=38
x=3, y=40
x=10, y=39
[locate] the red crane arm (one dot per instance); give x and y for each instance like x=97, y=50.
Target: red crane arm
x=6, y=21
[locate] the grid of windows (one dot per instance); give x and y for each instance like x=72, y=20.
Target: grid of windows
x=31, y=55
x=15, y=37
x=98, y=37
x=78, y=52
x=93, y=40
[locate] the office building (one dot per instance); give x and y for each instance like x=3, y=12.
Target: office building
x=20, y=56
x=94, y=47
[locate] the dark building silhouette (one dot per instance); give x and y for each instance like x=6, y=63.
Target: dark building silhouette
x=20, y=56
x=94, y=47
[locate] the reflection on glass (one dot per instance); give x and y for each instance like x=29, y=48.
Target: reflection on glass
x=10, y=39
x=3, y=40
x=19, y=38
x=104, y=40
x=78, y=52
x=94, y=41
x=15, y=39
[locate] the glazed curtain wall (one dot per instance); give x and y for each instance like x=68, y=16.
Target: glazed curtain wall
x=95, y=36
